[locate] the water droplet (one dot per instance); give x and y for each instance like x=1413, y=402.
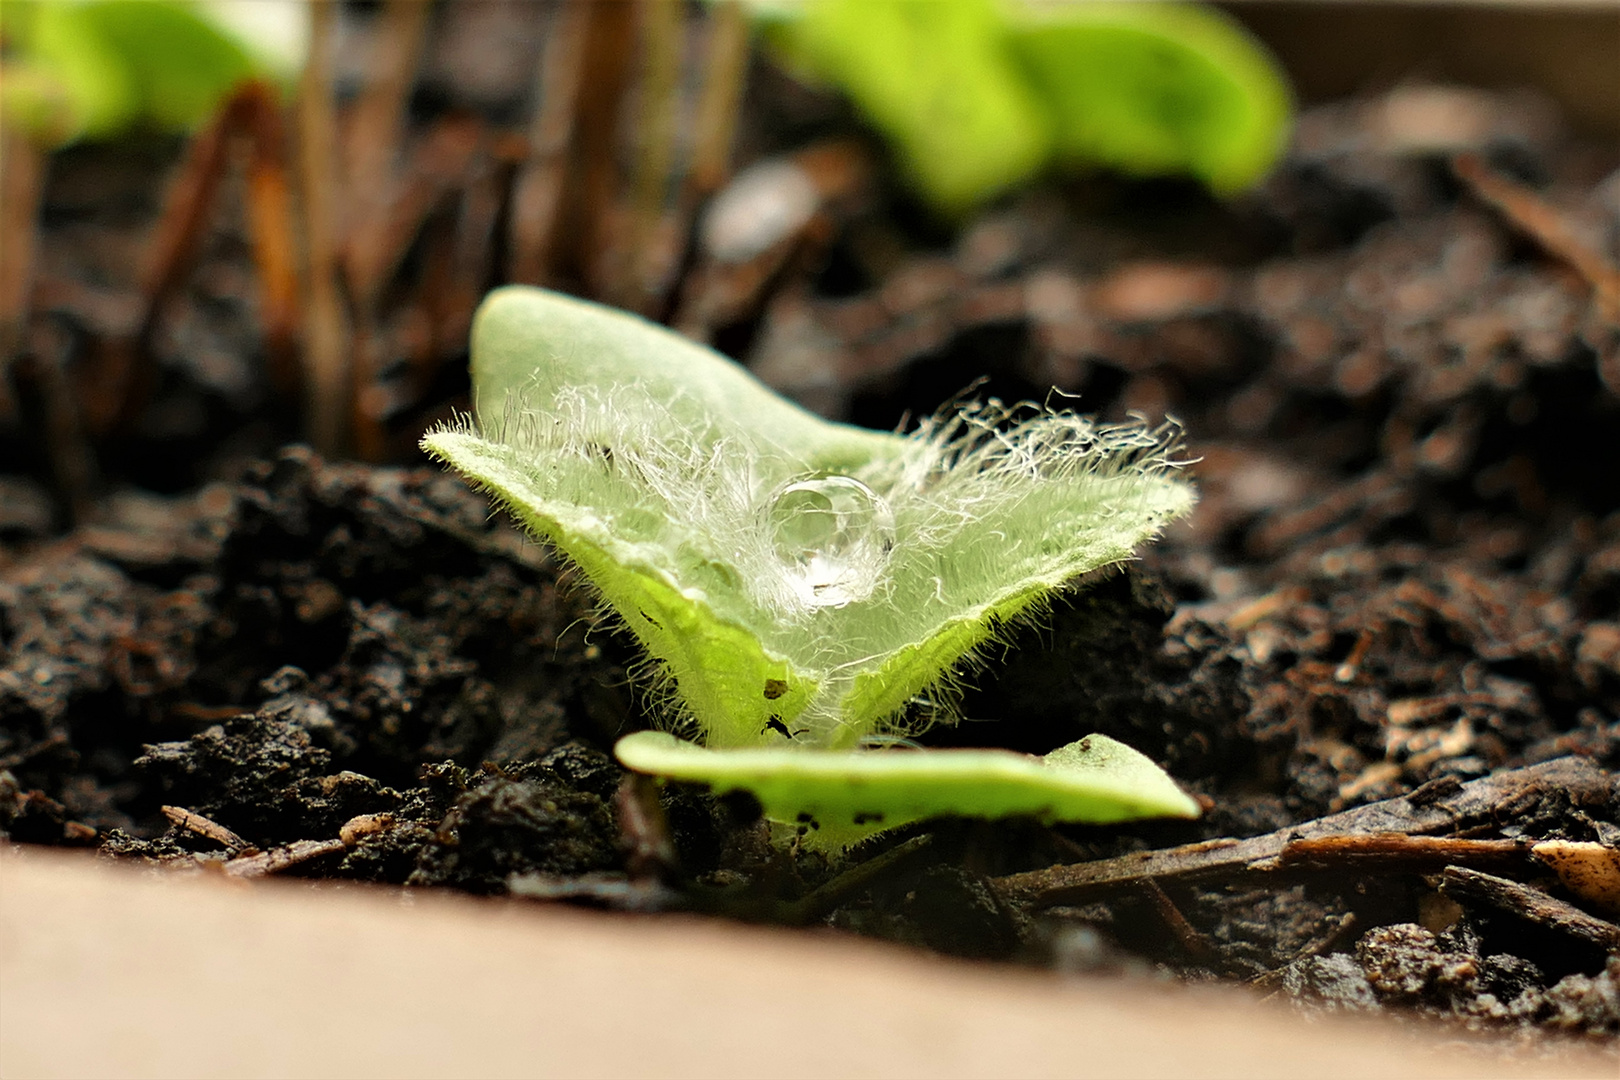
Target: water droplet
x=834, y=534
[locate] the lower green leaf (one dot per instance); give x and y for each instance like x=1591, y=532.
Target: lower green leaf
x=833, y=798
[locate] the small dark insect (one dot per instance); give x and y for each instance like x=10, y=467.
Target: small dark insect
x=775, y=724
x=774, y=688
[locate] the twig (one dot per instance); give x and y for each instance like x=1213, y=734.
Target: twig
x=126, y=369
x=281, y=858
x=205, y=827
x=326, y=344
x=1274, y=603
x=361, y=826
x=469, y=265
x=45, y=404
x=1338, y=930
x=1400, y=851
x=438, y=166
x=54, y=741
x=1543, y=223
x=1492, y=798
x=1193, y=943
x=1529, y=903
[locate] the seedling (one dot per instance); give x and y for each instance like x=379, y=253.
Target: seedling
x=978, y=95
x=802, y=585
x=92, y=68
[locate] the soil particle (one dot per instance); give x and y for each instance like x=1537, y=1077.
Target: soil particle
x=1102, y=662
x=942, y=907
x=303, y=588
x=1258, y=931
x=1405, y=963
x=1584, y=1003
x=503, y=827
x=1329, y=983
x=1447, y=976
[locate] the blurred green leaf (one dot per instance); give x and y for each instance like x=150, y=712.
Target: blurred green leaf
x=977, y=96
x=937, y=80
x=831, y=799
x=1155, y=89
x=90, y=68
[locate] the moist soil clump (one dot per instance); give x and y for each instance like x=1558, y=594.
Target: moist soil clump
x=1384, y=654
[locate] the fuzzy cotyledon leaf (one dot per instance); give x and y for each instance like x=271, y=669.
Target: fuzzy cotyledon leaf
x=831, y=798
x=798, y=583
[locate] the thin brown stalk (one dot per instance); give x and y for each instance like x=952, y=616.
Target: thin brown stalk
x=269, y=206
x=440, y=162
x=326, y=342
x=126, y=371
x=22, y=175
x=34, y=390
x=376, y=126
x=538, y=191
x=467, y=267
x=648, y=257
x=1544, y=223
x=725, y=67
x=440, y=166
x=592, y=247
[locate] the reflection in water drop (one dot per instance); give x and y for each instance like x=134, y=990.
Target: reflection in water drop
x=834, y=534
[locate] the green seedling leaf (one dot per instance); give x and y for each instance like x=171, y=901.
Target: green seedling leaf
x=833, y=799
x=978, y=95
x=90, y=68
x=1155, y=89
x=795, y=578
x=936, y=80
x=797, y=583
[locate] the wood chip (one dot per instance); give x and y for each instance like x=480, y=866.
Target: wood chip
x=1590, y=871
x=1544, y=223
x=281, y=858
x=1529, y=903
x=1401, y=850
x=363, y=825
x=194, y=822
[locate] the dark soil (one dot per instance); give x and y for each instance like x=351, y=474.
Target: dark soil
x=1404, y=576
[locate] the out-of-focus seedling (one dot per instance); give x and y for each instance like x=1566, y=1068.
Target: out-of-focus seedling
x=978, y=95
x=91, y=68
x=937, y=79
x=800, y=584
x=1156, y=89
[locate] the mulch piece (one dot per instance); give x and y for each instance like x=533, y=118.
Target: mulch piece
x=1384, y=653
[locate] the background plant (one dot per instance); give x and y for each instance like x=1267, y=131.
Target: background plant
x=91, y=68
x=978, y=95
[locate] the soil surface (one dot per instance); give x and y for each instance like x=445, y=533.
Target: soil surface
x=1396, y=608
